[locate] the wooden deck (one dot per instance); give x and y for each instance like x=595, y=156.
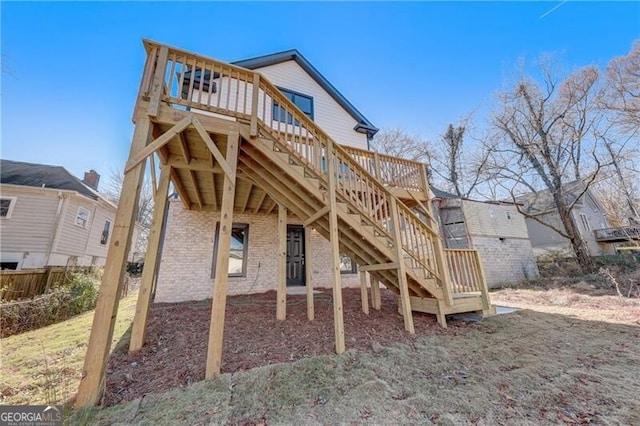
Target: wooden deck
x=207, y=125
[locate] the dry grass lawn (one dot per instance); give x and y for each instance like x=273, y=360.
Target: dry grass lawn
x=45, y=365
x=525, y=368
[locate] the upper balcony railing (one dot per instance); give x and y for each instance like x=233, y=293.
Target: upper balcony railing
x=622, y=233
x=202, y=83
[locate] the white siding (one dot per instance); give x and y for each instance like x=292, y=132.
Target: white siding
x=31, y=224
x=100, y=215
x=327, y=113
x=72, y=239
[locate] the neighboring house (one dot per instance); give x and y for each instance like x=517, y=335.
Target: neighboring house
x=495, y=229
x=48, y=217
x=588, y=215
x=253, y=261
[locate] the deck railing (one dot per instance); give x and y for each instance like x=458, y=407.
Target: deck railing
x=622, y=233
x=465, y=270
x=391, y=171
x=205, y=84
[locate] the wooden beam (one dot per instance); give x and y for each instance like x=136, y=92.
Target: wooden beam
x=376, y=299
x=184, y=148
x=364, y=297
x=243, y=206
x=157, y=85
x=154, y=181
x=196, y=189
x=281, y=309
x=216, y=330
x=213, y=182
x=405, y=302
x=151, y=262
x=204, y=134
x=254, y=105
x=338, y=315
x=164, y=139
x=317, y=215
x=95, y=361
x=260, y=201
x=308, y=272
x=379, y=266
x=182, y=193
x=196, y=165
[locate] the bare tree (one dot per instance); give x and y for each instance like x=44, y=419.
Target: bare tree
x=451, y=165
x=622, y=92
x=400, y=143
x=144, y=214
x=545, y=139
x=461, y=167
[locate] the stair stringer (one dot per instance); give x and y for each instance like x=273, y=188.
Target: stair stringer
x=357, y=239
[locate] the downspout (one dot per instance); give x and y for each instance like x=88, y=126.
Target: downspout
x=56, y=227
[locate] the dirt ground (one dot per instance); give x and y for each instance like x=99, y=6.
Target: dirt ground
x=524, y=368
x=174, y=354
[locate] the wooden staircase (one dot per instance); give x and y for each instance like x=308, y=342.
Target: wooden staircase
x=295, y=161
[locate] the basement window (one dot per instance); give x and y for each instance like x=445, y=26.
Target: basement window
x=347, y=265
x=304, y=102
x=237, y=250
x=585, y=222
x=6, y=206
x=82, y=217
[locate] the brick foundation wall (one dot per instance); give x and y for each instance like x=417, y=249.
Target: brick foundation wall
x=505, y=261
x=187, y=256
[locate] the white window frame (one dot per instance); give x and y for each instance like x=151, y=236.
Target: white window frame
x=584, y=218
x=82, y=225
x=12, y=204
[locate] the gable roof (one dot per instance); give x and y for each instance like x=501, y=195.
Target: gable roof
x=42, y=176
x=295, y=55
x=438, y=193
x=540, y=202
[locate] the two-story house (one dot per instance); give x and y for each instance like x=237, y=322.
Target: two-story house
x=49, y=217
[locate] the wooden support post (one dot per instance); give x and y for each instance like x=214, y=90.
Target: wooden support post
x=364, y=296
x=253, y=131
x=338, y=318
x=281, y=306
x=95, y=362
x=376, y=299
x=151, y=262
x=405, y=302
x=157, y=86
x=308, y=273
x=487, y=308
x=216, y=330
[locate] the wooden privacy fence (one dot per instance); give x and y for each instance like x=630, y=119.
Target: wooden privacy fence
x=32, y=282
x=465, y=270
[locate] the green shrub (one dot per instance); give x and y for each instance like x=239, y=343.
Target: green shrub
x=61, y=303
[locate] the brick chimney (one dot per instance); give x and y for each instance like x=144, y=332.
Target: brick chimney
x=91, y=178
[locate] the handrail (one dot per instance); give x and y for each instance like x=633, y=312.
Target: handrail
x=391, y=171
x=206, y=84
x=629, y=232
x=465, y=270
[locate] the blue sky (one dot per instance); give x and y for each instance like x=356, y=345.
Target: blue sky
x=73, y=69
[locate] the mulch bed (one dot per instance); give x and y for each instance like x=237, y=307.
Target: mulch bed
x=175, y=350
